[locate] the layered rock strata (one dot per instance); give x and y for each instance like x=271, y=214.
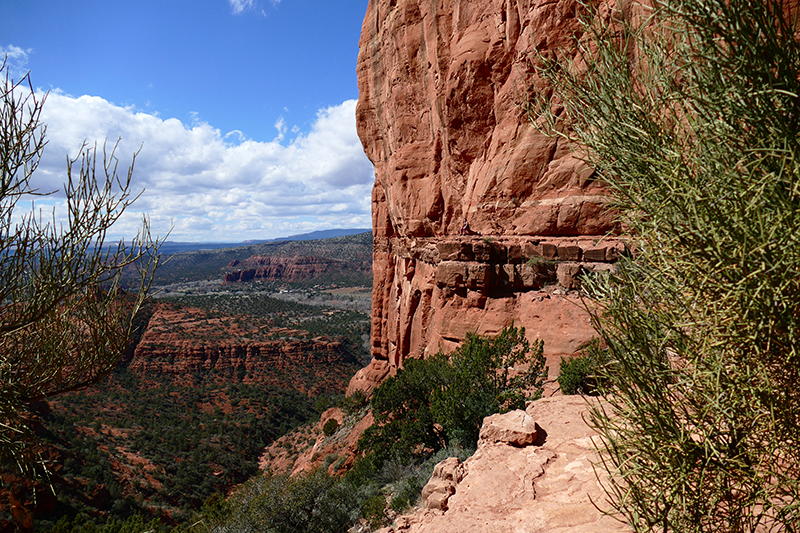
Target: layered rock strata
x=188, y=345
x=288, y=269
x=478, y=217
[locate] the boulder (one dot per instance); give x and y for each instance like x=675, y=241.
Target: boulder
x=446, y=475
x=516, y=428
x=548, y=487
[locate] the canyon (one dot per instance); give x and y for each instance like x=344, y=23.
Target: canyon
x=480, y=220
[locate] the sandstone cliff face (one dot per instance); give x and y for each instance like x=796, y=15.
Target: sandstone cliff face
x=477, y=216
x=186, y=344
x=288, y=269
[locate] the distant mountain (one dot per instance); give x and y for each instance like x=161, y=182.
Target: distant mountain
x=321, y=234
x=174, y=247
x=216, y=260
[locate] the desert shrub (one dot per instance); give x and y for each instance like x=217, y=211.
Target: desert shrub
x=330, y=427
x=579, y=375
x=433, y=402
x=314, y=503
x=481, y=381
x=355, y=402
x=373, y=509
x=688, y=110
x=575, y=373
x=64, y=317
x=133, y=524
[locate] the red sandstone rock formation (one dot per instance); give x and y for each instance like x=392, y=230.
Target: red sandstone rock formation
x=289, y=269
x=548, y=486
x=183, y=343
x=477, y=216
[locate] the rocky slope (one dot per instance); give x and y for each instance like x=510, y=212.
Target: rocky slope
x=185, y=415
x=479, y=220
x=532, y=472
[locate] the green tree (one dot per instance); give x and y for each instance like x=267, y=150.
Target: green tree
x=314, y=502
x=431, y=403
x=690, y=111
x=64, y=318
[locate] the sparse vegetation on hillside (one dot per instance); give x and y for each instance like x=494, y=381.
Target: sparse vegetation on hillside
x=169, y=454
x=162, y=443
x=432, y=409
x=210, y=264
x=349, y=327
x=689, y=110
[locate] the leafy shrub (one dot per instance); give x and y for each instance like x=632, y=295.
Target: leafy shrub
x=373, y=509
x=314, y=503
x=133, y=524
x=579, y=374
x=330, y=427
x=431, y=403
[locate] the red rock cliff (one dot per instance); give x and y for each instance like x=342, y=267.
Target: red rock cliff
x=441, y=87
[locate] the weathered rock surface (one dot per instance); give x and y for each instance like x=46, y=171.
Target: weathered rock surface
x=442, y=485
x=477, y=216
x=544, y=487
x=516, y=428
x=338, y=450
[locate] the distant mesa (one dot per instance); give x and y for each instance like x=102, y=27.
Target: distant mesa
x=289, y=269
x=321, y=234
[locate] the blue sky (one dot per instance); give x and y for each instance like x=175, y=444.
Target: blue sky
x=244, y=108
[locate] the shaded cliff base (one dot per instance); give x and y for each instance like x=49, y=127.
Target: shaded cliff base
x=429, y=293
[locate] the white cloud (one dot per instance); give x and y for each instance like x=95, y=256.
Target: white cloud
x=280, y=125
x=239, y=6
x=16, y=58
x=219, y=187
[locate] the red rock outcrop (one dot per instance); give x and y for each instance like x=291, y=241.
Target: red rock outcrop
x=477, y=216
x=289, y=269
x=182, y=343
x=549, y=485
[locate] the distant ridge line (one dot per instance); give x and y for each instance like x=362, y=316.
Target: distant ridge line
x=171, y=247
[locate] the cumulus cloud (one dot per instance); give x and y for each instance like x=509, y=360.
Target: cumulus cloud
x=15, y=58
x=215, y=186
